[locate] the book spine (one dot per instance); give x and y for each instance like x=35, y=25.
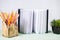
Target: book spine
x=19, y=20
x=47, y=21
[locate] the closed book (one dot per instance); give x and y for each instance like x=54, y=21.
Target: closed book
x=26, y=18
x=40, y=21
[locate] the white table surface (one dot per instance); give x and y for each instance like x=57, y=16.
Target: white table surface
x=33, y=36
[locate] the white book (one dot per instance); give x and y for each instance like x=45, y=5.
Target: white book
x=37, y=21
x=43, y=21
x=26, y=18
x=40, y=21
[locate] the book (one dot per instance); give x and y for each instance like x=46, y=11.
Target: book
x=40, y=21
x=26, y=18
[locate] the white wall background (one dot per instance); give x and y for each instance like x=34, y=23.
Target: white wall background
x=13, y=5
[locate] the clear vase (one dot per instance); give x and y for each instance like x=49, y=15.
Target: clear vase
x=9, y=30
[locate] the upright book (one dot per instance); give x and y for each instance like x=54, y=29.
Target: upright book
x=41, y=21
x=26, y=20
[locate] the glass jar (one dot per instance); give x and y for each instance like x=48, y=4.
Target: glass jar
x=9, y=30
